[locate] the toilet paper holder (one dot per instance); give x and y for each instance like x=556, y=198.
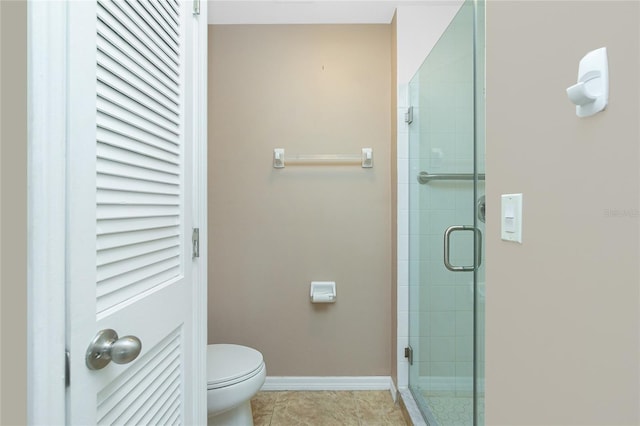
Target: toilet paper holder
x=323, y=292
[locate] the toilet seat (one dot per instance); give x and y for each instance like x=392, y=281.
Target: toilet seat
x=230, y=364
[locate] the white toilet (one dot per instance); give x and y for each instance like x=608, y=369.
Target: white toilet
x=234, y=375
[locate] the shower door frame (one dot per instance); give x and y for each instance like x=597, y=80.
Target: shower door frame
x=477, y=101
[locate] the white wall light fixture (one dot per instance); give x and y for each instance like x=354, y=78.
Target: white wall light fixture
x=591, y=93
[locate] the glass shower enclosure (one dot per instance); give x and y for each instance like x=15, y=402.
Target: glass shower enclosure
x=446, y=225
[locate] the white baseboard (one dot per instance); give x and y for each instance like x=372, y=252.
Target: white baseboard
x=318, y=383
x=393, y=390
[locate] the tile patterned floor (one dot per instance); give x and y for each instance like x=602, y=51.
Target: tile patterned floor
x=326, y=408
x=452, y=410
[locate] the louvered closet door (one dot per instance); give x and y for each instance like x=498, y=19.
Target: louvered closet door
x=129, y=203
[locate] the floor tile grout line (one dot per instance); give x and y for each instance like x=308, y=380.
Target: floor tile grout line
x=273, y=408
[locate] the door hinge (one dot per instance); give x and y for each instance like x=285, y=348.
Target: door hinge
x=408, y=353
x=67, y=369
x=195, y=240
x=408, y=116
x=196, y=7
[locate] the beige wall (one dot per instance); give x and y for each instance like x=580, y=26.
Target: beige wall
x=563, y=307
x=13, y=216
x=311, y=90
x=394, y=199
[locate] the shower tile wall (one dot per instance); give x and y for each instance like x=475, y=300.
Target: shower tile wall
x=403, y=235
x=441, y=141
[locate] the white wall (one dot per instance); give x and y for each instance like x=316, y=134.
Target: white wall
x=419, y=28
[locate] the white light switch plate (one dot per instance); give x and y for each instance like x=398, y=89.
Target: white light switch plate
x=511, y=218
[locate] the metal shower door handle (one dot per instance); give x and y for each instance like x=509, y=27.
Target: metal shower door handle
x=447, y=234
x=106, y=347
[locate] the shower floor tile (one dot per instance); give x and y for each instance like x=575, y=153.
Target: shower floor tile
x=330, y=408
x=453, y=410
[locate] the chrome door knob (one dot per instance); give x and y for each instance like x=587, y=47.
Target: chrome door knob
x=107, y=347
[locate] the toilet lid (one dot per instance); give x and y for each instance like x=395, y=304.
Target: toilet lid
x=229, y=364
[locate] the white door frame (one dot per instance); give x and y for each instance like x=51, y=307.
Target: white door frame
x=200, y=210
x=47, y=135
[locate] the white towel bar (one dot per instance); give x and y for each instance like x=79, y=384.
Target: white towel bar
x=365, y=159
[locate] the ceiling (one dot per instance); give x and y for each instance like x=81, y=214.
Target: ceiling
x=307, y=11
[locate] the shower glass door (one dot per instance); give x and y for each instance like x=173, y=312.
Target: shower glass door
x=446, y=225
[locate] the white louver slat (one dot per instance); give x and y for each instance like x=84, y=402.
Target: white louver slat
x=172, y=8
x=115, y=111
x=109, y=138
x=140, y=88
x=114, y=240
x=133, y=106
x=139, y=163
x=155, y=31
x=150, y=390
x=120, y=15
x=107, y=151
x=158, y=12
x=121, y=56
x=106, y=122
